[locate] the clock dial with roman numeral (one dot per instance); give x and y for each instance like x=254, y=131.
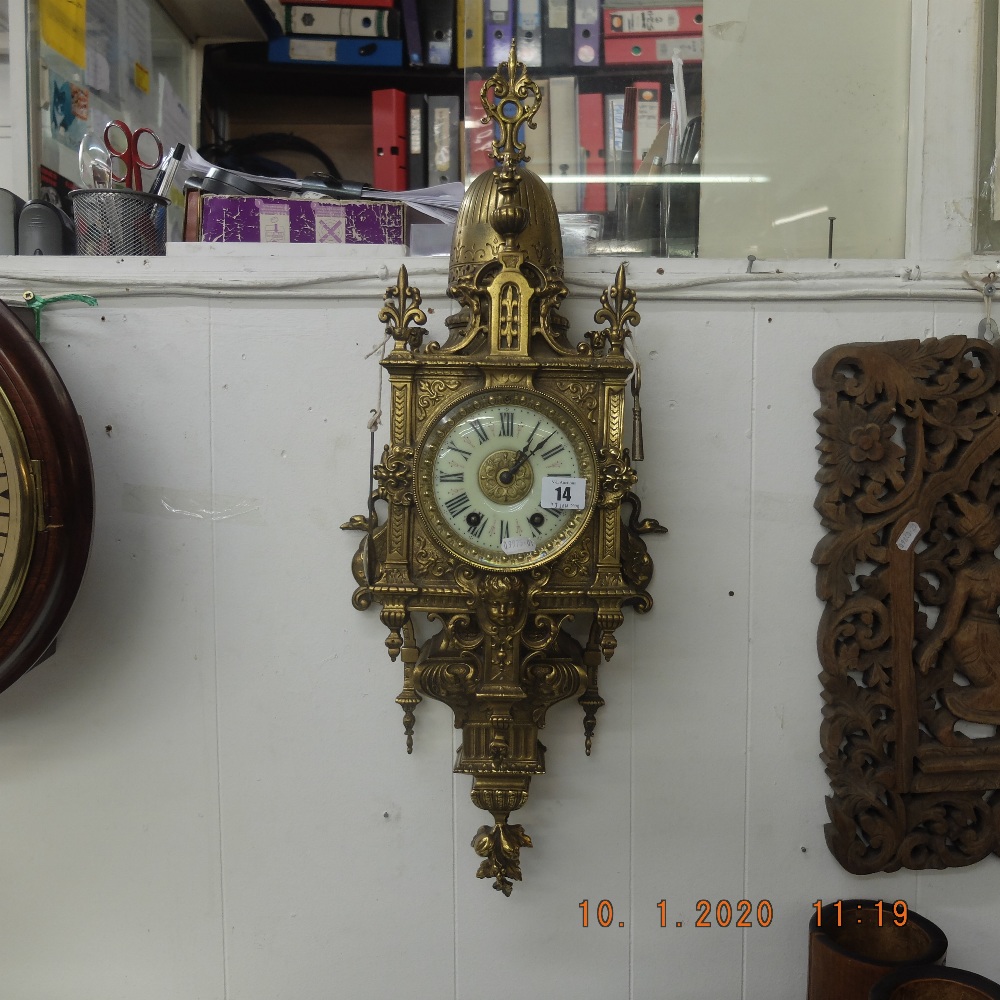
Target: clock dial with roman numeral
x=17, y=509
x=480, y=473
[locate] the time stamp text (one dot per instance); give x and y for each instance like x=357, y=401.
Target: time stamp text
x=745, y=913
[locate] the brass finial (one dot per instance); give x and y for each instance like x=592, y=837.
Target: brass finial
x=510, y=108
x=619, y=312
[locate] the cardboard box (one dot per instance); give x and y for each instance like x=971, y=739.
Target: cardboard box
x=234, y=219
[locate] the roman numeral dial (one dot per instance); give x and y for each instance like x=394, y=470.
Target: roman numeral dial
x=17, y=521
x=480, y=470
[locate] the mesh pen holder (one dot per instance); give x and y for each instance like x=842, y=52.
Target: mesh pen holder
x=117, y=222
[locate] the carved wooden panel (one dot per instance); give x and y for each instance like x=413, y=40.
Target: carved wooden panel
x=909, y=640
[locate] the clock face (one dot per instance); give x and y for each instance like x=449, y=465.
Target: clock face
x=506, y=478
x=17, y=520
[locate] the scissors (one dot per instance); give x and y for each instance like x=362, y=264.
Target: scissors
x=127, y=152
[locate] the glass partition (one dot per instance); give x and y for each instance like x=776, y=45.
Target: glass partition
x=776, y=128
x=987, y=224
x=677, y=128
x=102, y=60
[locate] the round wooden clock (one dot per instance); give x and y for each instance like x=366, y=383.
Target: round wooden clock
x=46, y=501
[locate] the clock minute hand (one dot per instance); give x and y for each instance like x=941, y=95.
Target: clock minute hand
x=522, y=456
x=507, y=476
x=541, y=444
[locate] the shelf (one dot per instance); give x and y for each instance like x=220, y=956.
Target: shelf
x=215, y=19
x=236, y=70
x=330, y=106
x=243, y=68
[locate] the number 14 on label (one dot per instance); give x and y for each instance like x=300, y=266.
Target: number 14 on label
x=564, y=492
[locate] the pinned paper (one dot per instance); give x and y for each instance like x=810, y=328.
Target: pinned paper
x=103, y=67
x=64, y=28
x=98, y=71
x=138, y=43
x=69, y=111
x=175, y=119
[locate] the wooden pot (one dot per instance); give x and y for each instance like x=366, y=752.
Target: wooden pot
x=846, y=961
x=934, y=982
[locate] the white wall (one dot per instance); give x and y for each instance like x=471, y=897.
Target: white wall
x=205, y=791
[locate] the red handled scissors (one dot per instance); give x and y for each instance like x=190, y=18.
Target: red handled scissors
x=122, y=145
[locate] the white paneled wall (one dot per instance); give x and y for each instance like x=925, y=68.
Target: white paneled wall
x=206, y=792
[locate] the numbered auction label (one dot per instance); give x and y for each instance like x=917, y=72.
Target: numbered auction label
x=908, y=536
x=512, y=545
x=564, y=492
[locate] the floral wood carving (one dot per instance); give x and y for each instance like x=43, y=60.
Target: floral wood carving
x=909, y=640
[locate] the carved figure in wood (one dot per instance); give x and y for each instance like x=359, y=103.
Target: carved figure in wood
x=968, y=627
x=909, y=640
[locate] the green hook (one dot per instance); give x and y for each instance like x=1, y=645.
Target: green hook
x=37, y=304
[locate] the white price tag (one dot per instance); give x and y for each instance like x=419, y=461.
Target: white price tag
x=908, y=536
x=512, y=545
x=564, y=492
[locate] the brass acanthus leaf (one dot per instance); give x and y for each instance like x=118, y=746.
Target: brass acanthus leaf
x=501, y=846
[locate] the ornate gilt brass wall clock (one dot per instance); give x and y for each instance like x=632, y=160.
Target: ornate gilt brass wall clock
x=46, y=501
x=909, y=572
x=504, y=481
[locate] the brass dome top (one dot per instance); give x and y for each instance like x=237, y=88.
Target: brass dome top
x=510, y=206
x=476, y=239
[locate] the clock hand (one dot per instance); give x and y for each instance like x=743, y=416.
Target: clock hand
x=541, y=444
x=507, y=476
x=532, y=434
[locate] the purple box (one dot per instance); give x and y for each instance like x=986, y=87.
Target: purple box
x=240, y=219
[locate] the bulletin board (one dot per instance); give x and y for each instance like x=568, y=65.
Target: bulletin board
x=99, y=60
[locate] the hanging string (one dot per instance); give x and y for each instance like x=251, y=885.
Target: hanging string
x=376, y=415
x=637, y=452
x=988, y=329
x=36, y=304
x=374, y=421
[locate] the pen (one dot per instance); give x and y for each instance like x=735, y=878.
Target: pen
x=166, y=175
